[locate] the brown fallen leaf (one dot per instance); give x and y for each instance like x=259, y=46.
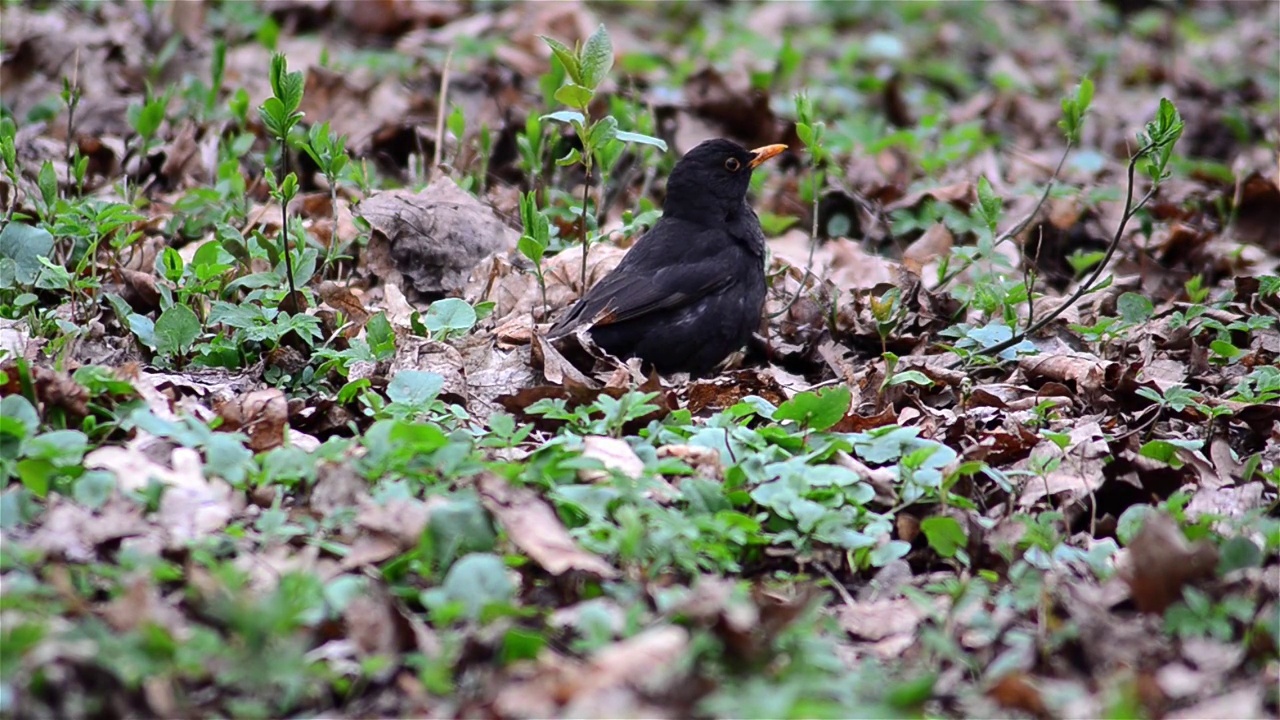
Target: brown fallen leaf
x=429, y=241
x=614, y=453
x=532, y=525
x=1162, y=562
x=262, y=415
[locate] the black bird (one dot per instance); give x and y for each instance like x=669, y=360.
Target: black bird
x=691, y=290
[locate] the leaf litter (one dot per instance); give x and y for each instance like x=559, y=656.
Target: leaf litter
x=1087, y=529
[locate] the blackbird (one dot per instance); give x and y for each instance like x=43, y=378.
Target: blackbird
x=691, y=290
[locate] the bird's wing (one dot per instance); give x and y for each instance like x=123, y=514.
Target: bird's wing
x=640, y=285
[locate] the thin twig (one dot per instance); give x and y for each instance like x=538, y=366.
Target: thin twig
x=1130, y=209
x=813, y=244
x=441, y=104
x=841, y=590
x=582, y=230
x=1020, y=225
x=73, y=99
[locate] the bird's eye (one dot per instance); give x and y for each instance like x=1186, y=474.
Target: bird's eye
x=732, y=165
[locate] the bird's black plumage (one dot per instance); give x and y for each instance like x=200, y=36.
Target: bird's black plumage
x=691, y=290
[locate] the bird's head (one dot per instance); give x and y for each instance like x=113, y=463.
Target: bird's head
x=710, y=182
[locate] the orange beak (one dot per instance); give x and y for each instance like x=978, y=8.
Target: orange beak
x=764, y=153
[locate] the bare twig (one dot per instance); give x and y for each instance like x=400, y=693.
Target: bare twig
x=441, y=104
x=1130, y=209
x=1020, y=225
x=840, y=589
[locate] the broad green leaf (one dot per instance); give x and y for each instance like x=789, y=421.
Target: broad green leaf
x=914, y=377
x=94, y=488
x=816, y=410
x=989, y=205
x=1237, y=553
x=449, y=314
x=602, y=131
x=575, y=96
x=888, y=552
x=632, y=137
x=597, y=58
x=944, y=534
x=415, y=388
x=175, y=330
x=531, y=249
x=1134, y=308
x=25, y=245
x=568, y=58
x=477, y=580
x=572, y=158
x=36, y=475
x=458, y=527
x=62, y=448
x=565, y=117
x=1130, y=522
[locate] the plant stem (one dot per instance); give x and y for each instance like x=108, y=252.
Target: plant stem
x=1130, y=209
x=582, y=226
x=284, y=217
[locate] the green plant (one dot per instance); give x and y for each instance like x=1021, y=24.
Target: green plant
x=586, y=67
x=329, y=151
x=280, y=114
x=535, y=239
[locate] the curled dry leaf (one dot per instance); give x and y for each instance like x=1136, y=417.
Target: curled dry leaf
x=532, y=525
x=1017, y=691
x=1079, y=472
x=614, y=453
x=262, y=415
x=192, y=507
x=417, y=353
x=431, y=238
x=340, y=297
x=1162, y=562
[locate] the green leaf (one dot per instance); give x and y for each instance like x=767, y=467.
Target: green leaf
x=176, y=329
x=18, y=420
x=24, y=245
x=47, y=182
x=565, y=116
x=449, y=314
x=477, y=580
x=458, y=527
x=1237, y=553
x=415, y=388
x=597, y=58
x=94, y=488
x=912, y=693
x=888, y=552
x=568, y=58
x=914, y=377
x=1134, y=308
x=62, y=448
x=1167, y=451
x=575, y=96
x=36, y=475
x=572, y=158
x=531, y=249
x=816, y=410
x=602, y=131
x=381, y=336
x=990, y=206
x=944, y=534
x=632, y=137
